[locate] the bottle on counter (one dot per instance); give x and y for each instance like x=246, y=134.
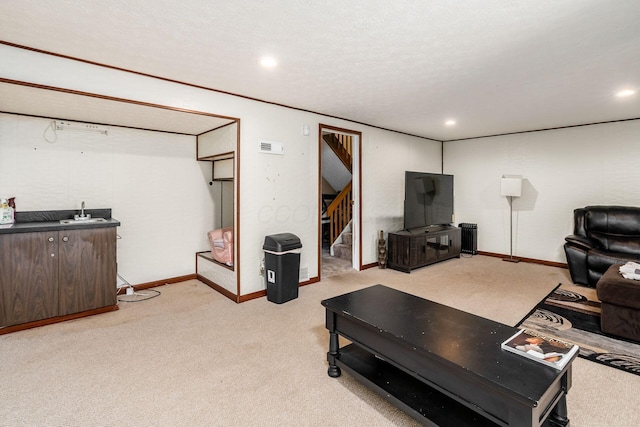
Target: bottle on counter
x=12, y=205
x=6, y=213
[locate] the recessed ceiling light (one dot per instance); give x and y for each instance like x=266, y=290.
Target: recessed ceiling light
x=626, y=92
x=450, y=123
x=268, y=62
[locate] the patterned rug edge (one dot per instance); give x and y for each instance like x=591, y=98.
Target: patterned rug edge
x=572, y=313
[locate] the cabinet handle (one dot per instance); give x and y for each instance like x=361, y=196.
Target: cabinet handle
x=51, y=239
x=65, y=239
x=52, y=255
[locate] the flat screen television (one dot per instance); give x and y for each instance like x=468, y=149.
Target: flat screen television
x=428, y=199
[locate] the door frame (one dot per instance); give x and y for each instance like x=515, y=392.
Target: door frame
x=356, y=166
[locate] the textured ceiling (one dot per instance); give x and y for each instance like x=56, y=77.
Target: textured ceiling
x=495, y=66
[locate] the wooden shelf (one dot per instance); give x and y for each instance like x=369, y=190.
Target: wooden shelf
x=406, y=392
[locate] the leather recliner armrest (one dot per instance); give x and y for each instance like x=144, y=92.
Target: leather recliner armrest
x=582, y=242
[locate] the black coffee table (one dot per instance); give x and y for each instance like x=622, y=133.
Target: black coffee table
x=441, y=365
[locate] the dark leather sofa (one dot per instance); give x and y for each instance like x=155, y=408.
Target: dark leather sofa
x=602, y=236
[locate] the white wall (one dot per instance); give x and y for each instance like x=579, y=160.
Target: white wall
x=562, y=169
x=151, y=180
x=386, y=157
x=277, y=193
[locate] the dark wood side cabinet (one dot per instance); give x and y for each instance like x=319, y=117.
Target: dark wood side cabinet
x=56, y=273
x=87, y=270
x=29, y=277
x=408, y=250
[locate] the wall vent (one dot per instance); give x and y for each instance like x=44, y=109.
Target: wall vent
x=271, y=147
x=304, y=274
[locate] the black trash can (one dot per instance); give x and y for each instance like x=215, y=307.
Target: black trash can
x=282, y=266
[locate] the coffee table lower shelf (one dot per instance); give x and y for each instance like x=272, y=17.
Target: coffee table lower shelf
x=424, y=403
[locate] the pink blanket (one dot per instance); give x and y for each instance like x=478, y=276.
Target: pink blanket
x=221, y=241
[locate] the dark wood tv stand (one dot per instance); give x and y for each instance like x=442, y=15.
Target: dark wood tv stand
x=411, y=249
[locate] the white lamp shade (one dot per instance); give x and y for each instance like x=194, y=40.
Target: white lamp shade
x=511, y=185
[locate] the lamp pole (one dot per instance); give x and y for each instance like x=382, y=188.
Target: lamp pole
x=511, y=258
x=511, y=186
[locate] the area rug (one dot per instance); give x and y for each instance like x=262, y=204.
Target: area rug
x=572, y=313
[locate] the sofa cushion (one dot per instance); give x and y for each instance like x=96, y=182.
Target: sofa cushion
x=628, y=244
x=613, y=220
x=614, y=228
x=600, y=260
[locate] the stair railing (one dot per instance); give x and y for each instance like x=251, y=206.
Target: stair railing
x=339, y=212
x=342, y=146
x=346, y=141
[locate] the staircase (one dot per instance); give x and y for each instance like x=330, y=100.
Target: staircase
x=344, y=248
x=342, y=146
x=338, y=214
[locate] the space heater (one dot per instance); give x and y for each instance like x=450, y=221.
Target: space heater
x=469, y=237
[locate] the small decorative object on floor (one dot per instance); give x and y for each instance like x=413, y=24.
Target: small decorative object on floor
x=382, y=251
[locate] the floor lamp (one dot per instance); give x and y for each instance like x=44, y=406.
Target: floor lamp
x=511, y=186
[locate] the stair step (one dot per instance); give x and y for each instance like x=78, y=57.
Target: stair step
x=347, y=238
x=343, y=251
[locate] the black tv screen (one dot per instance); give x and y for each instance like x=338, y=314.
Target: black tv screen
x=428, y=199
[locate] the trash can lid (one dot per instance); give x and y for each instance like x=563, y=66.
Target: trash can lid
x=281, y=242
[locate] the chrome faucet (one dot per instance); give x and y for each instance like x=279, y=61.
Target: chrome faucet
x=82, y=215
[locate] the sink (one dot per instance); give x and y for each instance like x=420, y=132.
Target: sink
x=82, y=221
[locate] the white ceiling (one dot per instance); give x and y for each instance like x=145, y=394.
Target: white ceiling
x=495, y=66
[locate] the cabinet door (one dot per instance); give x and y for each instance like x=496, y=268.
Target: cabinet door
x=431, y=247
x=399, y=252
x=417, y=250
x=28, y=277
x=87, y=272
x=448, y=244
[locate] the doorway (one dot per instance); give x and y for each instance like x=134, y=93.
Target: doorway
x=340, y=207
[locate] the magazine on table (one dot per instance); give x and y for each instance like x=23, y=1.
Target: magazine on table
x=549, y=351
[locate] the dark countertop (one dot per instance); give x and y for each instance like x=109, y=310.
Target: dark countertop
x=35, y=221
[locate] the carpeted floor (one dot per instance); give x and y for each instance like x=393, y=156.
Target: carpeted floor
x=333, y=265
x=572, y=313
x=191, y=357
